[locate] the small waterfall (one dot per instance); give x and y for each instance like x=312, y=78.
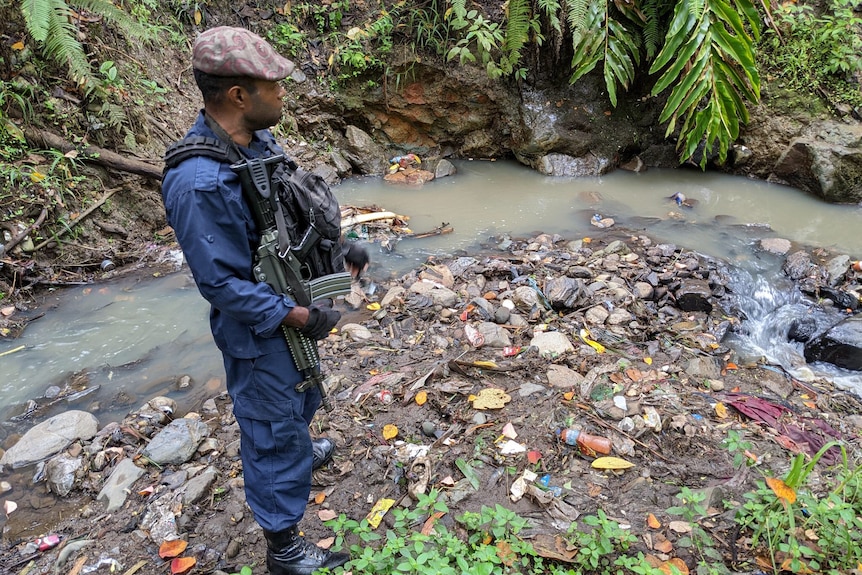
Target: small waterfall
x=771, y=306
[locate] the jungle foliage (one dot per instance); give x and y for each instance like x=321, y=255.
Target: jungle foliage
x=704, y=56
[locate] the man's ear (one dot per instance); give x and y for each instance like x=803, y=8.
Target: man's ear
x=237, y=95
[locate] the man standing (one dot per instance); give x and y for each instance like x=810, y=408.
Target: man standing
x=238, y=74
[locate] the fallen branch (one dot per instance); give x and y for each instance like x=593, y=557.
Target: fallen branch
x=107, y=158
x=8, y=247
x=443, y=228
x=83, y=215
x=369, y=217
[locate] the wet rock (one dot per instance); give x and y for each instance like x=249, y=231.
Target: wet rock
x=444, y=168
x=643, y=290
x=502, y=315
x=156, y=411
x=525, y=297
x=440, y=274
x=620, y=316
x=798, y=265
x=694, y=295
x=177, y=442
x=116, y=488
x=438, y=294
x=50, y=437
x=802, y=329
x=840, y=345
x=836, y=269
x=568, y=166
x=363, y=153
x=778, y=246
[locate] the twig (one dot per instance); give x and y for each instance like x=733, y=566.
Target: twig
x=11, y=351
x=105, y=197
x=20, y=237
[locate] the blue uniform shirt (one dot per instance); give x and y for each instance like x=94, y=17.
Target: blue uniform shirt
x=216, y=231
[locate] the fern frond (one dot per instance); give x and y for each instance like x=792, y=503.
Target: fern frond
x=517, y=29
x=63, y=47
x=588, y=41
x=551, y=9
x=652, y=31
x=621, y=54
x=37, y=17
x=127, y=24
x=577, y=12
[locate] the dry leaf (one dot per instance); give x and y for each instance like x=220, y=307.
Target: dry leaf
x=320, y=497
x=491, y=398
x=781, y=489
x=648, y=360
x=36, y=176
x=326, y=514
x=653, y=521
x=428, y=526
x=18, y=46
x=78, y=566
x=569, y=395
x=373, y=306
x=390, y=431
x=675, y=562
x=174, y=548
x=634, y=374
x=505, y=553
x=611, y=463
x=680, y=526
x=421, y=397
x=533, y=457
x=509, y=431
x=182, y=564
x=326, y=542
x=721, y=410
x=662, y=545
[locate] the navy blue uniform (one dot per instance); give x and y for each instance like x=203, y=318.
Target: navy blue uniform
x=216, y=231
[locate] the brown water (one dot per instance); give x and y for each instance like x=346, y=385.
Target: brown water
x=135, y=338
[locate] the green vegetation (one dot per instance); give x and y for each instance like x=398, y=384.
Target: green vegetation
x=816, y=52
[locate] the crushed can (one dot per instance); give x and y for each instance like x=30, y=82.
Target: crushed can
x=47, y=542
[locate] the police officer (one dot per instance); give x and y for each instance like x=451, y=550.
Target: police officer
x=239, y=74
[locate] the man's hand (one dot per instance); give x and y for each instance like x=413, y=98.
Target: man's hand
x=321, y=319
x=356, y=259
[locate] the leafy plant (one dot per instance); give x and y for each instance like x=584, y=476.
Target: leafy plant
x=49, y=23
x=600, y=544
x=810, y=50
x=736, y=446
x=710, y=560
x=804, y=530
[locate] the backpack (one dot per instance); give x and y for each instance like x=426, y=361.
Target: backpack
x=305, y=199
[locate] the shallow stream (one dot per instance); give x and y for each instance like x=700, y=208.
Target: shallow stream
x=132, y=339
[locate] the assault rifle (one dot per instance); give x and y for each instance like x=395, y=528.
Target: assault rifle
x=280, y=265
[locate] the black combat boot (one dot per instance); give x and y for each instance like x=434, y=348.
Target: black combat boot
x=288, y=553
x=322, y=449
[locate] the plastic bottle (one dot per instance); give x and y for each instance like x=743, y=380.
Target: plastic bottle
x=586, y=443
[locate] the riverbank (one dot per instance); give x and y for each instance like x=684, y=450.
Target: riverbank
x=476, y=361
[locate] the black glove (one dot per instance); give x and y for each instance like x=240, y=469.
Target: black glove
x=321, y=319
x=356, y=256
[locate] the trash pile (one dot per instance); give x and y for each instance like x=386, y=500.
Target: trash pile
x=553, y=377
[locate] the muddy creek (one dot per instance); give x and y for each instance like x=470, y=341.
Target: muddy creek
x=132, y=339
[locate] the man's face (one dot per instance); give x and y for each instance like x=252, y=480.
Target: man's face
x=266, y=105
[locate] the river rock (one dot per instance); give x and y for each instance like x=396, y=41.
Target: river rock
x=116, y=488
x=363, y=153
x=694, y=295
x=50, y=437
x=778, y=246
x=177, y=442
x=444, y=168
x=596, y=315
x=551, y=343
x=798, y=265
x=836, y=269
x=643, y=290
x=495, y=335
x=439, y=295
x=525, y=297
x=197, y=487
x=356, y=332
x=563, y=377
x=564, y=165
x=839, y=345
x=563, y=292
x=703, y=368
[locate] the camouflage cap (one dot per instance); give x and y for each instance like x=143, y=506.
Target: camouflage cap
x=227, y=51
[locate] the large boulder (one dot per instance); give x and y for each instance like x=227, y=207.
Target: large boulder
x=50, y=437
x=840, y=345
